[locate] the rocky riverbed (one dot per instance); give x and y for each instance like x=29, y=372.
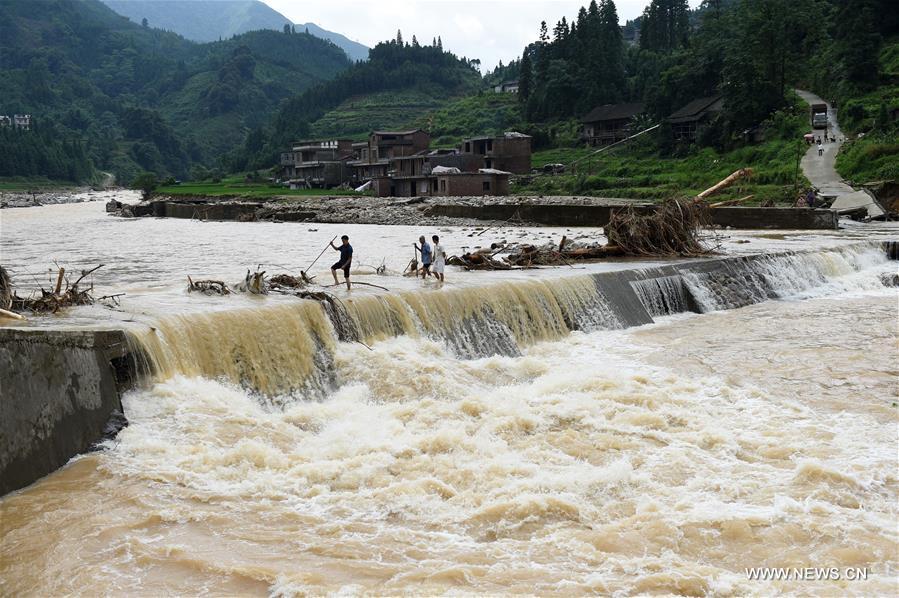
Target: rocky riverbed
x=29, y=199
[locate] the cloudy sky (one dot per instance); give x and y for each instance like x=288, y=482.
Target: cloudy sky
x=491, y=30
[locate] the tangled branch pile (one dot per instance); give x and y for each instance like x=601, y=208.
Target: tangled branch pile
x=285, y=281
x=673, y=228
x=207, y=287
x=530, y=256
x=51, y=302
x=478, y=261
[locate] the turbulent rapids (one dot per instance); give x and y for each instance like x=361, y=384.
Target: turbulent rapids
x=290, y=349
x=554, y=436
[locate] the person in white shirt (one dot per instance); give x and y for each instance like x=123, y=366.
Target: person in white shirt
x=439, y=259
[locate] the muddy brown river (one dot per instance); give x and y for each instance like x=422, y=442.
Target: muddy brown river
x=670, y=458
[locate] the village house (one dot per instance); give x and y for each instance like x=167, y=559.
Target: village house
x=510, y=152
x=19, y=121
x=444, y=182
x=610, y=123
x=317, y=163
x=506, y=87
x=400, y=164
x=689, y=120
x=372, y=157
x=487, y=181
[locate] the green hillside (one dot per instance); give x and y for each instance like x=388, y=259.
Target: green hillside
x=356, y=117
x=398, y=87
x=487, y=113
x=139, y=98
x=874, y=157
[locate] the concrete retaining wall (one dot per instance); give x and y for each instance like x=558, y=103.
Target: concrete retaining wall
x=59, y=390
x=575, y=215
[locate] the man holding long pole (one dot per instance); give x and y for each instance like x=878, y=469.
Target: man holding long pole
x=346, y=260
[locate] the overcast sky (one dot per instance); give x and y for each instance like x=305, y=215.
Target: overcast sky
x=491, y=30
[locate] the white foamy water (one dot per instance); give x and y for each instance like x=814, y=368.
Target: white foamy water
x=665, y=459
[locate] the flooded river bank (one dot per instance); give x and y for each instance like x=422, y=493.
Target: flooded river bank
x=667, y=458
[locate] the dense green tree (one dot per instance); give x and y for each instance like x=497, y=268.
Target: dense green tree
x=857, y=41
x=146, y=183
x=525, y=78
x=665, y=25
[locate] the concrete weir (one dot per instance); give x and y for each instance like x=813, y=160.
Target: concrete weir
x=60, y=390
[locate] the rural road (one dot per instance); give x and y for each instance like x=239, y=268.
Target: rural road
x=820, y=169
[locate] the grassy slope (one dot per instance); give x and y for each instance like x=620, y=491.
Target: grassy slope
x=637, y=171
x=875, y=156
x=357, y=117
x=487, y=113
x=237, y=187
x=448, y=119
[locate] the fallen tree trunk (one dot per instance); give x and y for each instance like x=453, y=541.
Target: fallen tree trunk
x=737, y=175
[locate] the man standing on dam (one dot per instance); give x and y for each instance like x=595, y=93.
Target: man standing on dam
x=346, y=260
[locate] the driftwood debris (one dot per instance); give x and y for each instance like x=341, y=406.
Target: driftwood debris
x=286, y=281
x=49, y=301
x=530, y=256
x=731, y=202
x=207, y=287
x=6, y=291
x=673, y=228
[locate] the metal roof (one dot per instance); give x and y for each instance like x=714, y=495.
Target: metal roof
x=613, y=112
x=694, y=110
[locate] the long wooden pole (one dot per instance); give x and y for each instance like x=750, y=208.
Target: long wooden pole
x=743, y=172
x=11, y=314
x=320, y=254
x=62, y=272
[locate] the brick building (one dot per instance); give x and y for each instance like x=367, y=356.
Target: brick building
x=510, y=152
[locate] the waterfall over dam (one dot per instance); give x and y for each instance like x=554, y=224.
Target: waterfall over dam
x=289, y=349
x=562, y=432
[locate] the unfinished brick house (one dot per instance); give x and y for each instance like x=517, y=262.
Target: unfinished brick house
x=372, y=157
x=444, y=182
x=317, y=163
x=487, y=181
x=510, y=152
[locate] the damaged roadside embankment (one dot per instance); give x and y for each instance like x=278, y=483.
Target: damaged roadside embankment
x=548, y=211
x=61, y=387
x=60, y=395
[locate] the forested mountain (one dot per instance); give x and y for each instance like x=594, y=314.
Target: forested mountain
x=140, y=98
x=394, y=66
x=353, y=49
x=211, y=20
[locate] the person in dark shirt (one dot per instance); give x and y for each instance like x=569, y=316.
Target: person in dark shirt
x=346, y=260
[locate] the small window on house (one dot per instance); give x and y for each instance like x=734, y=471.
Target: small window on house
x=486, y=185
x=443, y=185
x=489, y=145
